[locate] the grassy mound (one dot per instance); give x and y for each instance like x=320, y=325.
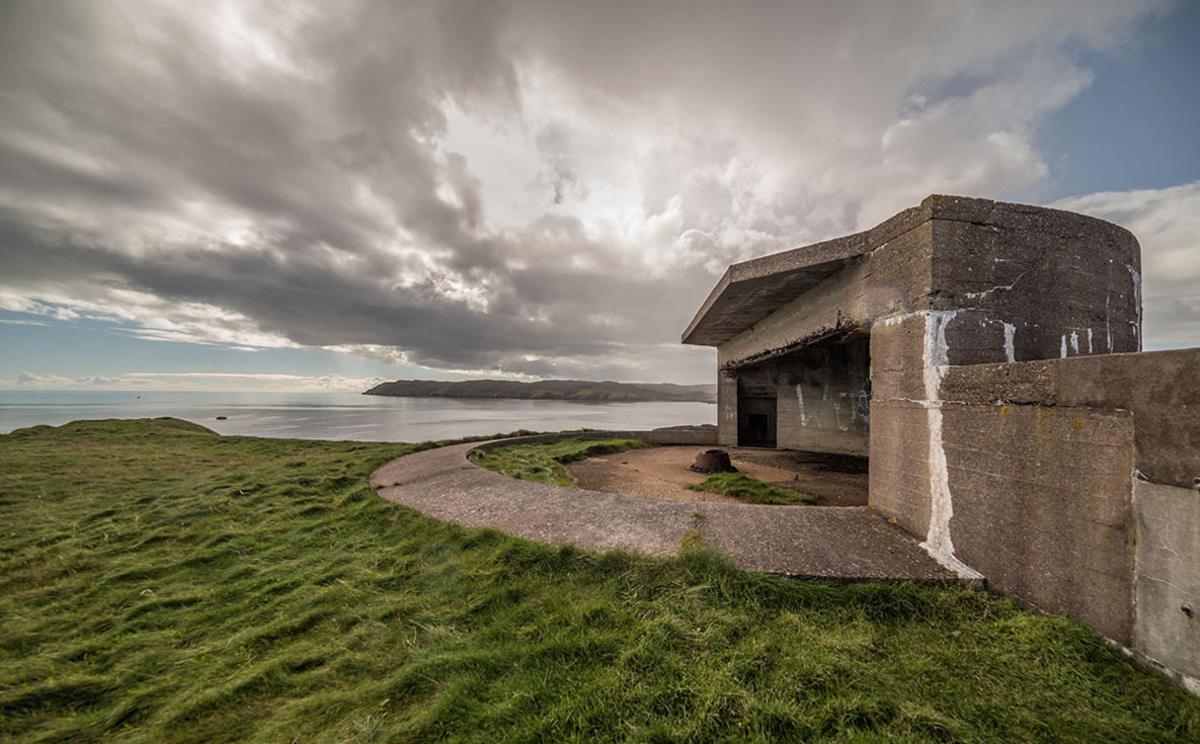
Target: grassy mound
x=162, y=583
x=751, y=490
x=543, y=461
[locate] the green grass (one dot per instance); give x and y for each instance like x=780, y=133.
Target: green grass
x=751, y=490
x=161, y=583
x=543, y=461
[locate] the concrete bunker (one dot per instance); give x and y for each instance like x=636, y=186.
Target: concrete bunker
x=986, y=357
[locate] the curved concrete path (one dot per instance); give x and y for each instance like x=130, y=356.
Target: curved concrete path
x=816, y=541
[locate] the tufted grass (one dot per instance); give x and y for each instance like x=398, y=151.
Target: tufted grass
x=543, y=461
x=161, y=583
x=751, y=490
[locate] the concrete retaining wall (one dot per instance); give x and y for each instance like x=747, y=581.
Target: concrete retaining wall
x=1161, y=388
x=1073, y=485
x=1167, y=578
x=1041, y=506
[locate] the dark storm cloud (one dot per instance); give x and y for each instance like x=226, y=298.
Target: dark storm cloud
x=331, y=163
x=265, y=173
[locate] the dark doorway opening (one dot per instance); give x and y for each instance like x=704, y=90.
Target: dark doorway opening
x=756, y=421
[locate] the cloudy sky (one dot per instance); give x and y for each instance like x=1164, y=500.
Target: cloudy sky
x=281, y=196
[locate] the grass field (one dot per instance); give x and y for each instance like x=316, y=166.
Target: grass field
x=543, y=461
x=158, y=582
x=751, y=490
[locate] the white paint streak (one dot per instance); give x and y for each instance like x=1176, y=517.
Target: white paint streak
x=800, y=402
x=986, y=292
x=1063, y=351
x=937, y=542
x=862, y=408
x=1089, y=340
x=1075, y=341
x=1108, y=321
x=1136, y=276
x=1010, y=349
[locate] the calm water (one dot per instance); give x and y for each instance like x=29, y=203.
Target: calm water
x=343, y=415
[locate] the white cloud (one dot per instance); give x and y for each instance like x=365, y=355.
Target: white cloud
x=214, y=381
x=21, y=322
x=472, y=186
x=35, y=380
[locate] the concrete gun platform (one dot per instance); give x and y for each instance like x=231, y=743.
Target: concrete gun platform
x=810, y=541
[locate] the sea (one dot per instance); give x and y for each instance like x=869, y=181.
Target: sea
x=349, y=416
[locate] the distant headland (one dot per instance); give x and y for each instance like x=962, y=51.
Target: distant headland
x=577, y=390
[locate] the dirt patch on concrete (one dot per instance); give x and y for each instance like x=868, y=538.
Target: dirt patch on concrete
x=662, y=473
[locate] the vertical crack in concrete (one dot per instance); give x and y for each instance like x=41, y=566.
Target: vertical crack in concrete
x=937, y=542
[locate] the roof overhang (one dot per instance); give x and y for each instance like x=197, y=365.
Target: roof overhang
x=751, y=290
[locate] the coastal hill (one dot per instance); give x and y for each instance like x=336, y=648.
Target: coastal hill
x=577, y=390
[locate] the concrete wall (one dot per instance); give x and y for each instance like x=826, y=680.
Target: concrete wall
x=1061, y=283
x=1167, y=578
x=1161, y=387
x=727, y=409
x=822, y=395
x=1034, y=283
x=902, y=477
x=1007, y=284
x=893, y=278
x=1041, y=506
x=1072, y=485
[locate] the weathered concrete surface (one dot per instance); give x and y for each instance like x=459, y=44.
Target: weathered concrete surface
x=1168, y=577
x=751, y=290
x=727, y=410
x=1017, y=282
x=892, y=279
x=1041, y=506
x=1009, y=415
x=1063, y=283
x=1067, y=284
x=822, y=395
x=831, y=542
x=1043, y=457
x=1160, y=388
x=898, y=358
x=900, y=469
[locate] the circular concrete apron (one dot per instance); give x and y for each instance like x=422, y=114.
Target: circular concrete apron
x=817, y=541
